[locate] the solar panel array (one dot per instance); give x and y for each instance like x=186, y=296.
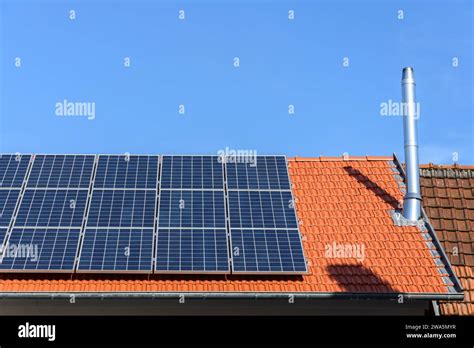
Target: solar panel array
x=147, y=214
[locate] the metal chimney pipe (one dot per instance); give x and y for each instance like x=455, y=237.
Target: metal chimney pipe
x=412, y=201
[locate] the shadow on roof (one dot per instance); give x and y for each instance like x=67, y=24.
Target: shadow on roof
x=357, y=278
x=372, y=186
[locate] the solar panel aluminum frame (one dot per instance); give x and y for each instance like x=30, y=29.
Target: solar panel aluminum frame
x=157, y=214
x=62, y=154
x=283, y=229
x=155, y=271
x=86, y=215
x=83, y=230
x=155, y=222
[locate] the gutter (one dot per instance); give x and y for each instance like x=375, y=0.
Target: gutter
x=230, y=295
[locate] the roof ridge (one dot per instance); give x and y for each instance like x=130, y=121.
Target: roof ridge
x=340, y=158
x=454, y=166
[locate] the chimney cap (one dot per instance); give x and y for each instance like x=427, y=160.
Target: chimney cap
x=408, y=75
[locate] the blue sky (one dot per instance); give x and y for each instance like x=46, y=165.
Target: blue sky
x=190, y=62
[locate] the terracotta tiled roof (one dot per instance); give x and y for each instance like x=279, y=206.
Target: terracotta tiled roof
x=342, y=203
x=448, y=199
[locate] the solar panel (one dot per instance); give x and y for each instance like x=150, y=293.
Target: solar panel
x=122, y=208
x=40, y=249
x=113, y=249
x=261, y=209
x=259, y=173
x=123, y=171
x=264, y=230
x=8, y=201
x=192, y=234
x=191, y=250
x=13, y=170
x=192, y=172
x=52, y=208
x=61, y=171
x=191, y=209
x=267, y=250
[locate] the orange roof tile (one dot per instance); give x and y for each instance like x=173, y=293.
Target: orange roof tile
x=342, y=204
x=454, y=224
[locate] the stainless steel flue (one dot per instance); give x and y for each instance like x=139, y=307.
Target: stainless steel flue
x=412, y=201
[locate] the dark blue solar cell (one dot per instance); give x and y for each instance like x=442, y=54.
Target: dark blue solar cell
x=123, y=171
x=267, y=250
x=40, y=249
x=122, y=208
x=61, y=171
x=191, y=209
x=192, y=172
x=52, y=208
x=261, y=173
x=13, y=170
x=115, y=249
x=3, y=233
x=261, y=209
x=192, y=250
x=8, y=201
